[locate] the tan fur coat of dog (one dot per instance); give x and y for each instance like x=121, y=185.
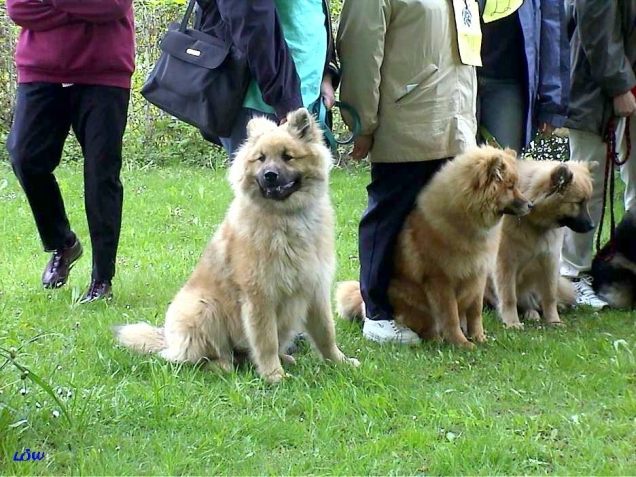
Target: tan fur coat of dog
x=268, y=270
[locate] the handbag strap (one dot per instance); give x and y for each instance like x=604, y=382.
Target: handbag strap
x=186, y=18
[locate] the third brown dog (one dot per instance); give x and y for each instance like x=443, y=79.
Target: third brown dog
x=527, y=272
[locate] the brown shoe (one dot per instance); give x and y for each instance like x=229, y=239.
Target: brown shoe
x=57, y=270
x=98, y=290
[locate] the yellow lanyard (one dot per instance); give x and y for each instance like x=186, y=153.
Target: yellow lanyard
x=468, y=31
x=496, y=9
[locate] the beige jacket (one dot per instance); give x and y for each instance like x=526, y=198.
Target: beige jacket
x=401, y=70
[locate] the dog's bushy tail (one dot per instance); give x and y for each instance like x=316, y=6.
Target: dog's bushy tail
x=141, y=337
x=565, y=293
x=349, y=304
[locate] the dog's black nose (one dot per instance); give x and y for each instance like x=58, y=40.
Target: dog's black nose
x=530, y=205
x=270, y=177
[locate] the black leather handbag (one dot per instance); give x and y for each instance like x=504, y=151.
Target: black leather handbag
x=199, y=79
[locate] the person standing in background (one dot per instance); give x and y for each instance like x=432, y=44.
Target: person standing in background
x=602, y=101
x=75, y=60
x=524, y=81
x=290, y=51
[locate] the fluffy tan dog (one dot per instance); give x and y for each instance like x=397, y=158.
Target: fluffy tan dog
x=448, y=246
x=268, y=270
x=527, y=272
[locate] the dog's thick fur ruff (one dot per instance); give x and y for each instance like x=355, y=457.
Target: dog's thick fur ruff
x=527, y=280
x=268, y=270
x=447, y=247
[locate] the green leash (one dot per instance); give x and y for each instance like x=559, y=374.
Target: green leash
x=319, y=110
x=489, y=138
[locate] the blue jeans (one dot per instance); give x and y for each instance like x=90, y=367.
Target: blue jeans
x=501, y=109
x=239, y=130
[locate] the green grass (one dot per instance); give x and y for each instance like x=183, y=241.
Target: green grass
x=533, y=402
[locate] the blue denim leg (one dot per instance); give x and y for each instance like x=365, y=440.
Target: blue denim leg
x=502, y=110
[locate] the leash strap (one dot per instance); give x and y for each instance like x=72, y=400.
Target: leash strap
x=320, y=112
x=611, y=161
x=489, y=138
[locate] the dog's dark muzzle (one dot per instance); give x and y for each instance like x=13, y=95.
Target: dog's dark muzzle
x=518, y=207
x=276, y=184
x=580, y=224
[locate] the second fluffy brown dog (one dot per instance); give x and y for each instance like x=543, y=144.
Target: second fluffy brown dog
x=448, y=246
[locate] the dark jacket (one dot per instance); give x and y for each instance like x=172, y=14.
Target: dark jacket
x=544, y=65
x=254, y=28
x=603, y=58
x=74, y=41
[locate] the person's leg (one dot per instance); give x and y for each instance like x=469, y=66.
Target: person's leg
x=501, y=111
x=577, y=250
x=40, y=126
x=99, y=122
x=628, y=170
x=391, y=196
x=576, y=255
x=232, y=143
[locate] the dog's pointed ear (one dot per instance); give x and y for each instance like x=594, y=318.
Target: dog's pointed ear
x=496, y=169
x=259, y=126
x=561, y=178
x=592, y=165
x=302, y=125
x=511, y=152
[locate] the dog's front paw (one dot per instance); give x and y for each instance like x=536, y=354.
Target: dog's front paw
x=275, y=376
x=556, y=322
x=513, y=325
x=479, y=337
x=337, y=356
x=287, y=359
x=531, y=315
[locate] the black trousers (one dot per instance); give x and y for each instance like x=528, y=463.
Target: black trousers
x=391, y=196
x=44, y=114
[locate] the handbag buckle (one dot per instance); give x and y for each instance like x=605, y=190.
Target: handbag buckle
x=193, y=52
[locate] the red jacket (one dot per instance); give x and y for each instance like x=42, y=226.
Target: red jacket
x=74, y=41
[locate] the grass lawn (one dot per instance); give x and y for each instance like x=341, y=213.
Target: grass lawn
x=537, y=401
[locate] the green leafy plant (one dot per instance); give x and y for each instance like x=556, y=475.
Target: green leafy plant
x=11, y=358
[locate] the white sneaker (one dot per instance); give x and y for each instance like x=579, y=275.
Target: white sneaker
x=585, y=293
x=388, y=331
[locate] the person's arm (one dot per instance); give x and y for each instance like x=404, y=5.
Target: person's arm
x=554, y=65
x=602, y=42
x=94, y=11
x=360, y=45
x=256, y=30
x=36, y=15
x=331, y=64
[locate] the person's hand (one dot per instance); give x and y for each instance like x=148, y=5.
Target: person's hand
x=546, y=129
x=361, y=146
x=624, y=104
x=327, y=92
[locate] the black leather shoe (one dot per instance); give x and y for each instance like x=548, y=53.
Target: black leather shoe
x=56, y=272
x=98, y=290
